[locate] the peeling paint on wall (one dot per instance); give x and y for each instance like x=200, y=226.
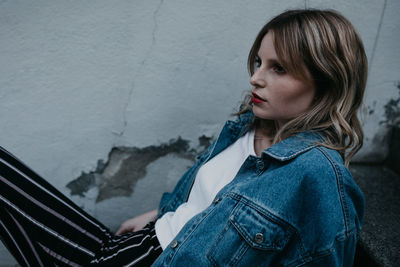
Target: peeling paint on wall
x=392, y=111
x=127, y=165
x=371, y=109
x=205, y=141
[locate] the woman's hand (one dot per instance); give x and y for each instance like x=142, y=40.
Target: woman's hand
x=137, y=222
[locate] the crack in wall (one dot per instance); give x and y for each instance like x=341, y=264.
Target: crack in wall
x=127, y=165
x=153, y=33
x=378, y=32
x=124, y=118
x=142, y=63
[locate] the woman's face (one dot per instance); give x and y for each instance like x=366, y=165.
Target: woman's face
x=278, y=95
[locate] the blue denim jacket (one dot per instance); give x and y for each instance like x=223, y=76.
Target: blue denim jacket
x=296, y=205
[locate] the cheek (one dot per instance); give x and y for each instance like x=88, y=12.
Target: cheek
x=301, y=93
x=307, y=97
x=298, y=100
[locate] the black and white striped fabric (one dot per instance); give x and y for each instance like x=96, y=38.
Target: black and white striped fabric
x=42, y=227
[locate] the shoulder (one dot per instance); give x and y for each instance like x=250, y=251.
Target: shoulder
x=305, y=195
x=320, y=162
x=326, y=194
x=304, y=156
x=313, y=177
x=316, y=194
x=322, y=171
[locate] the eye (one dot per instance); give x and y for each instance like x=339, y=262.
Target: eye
x=257, y=62
x=278, y=69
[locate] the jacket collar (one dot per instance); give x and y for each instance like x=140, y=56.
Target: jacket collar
x=285, y=150
x=293, y=146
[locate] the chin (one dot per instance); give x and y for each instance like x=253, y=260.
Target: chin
x=261, y=115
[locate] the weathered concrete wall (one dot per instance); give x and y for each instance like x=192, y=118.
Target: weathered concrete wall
x=111, y=100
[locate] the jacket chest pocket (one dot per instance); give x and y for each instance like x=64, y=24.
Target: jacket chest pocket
x=251, y=237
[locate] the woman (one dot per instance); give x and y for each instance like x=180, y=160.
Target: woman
x=272, y=190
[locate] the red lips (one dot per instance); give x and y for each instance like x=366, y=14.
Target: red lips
x=256, y=99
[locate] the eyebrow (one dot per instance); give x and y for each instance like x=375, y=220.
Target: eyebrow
x=270, y=61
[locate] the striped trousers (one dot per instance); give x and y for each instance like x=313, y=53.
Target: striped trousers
x=42, y=227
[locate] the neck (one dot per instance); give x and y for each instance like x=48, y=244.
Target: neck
x=265, y=129
x=259, y=134
x=262, y=141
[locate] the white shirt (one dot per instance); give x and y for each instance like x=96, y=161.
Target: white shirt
x=210, y=179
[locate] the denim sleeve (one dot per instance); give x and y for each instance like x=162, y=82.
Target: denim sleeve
x=340, y=255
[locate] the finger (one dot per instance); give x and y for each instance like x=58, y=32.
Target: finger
x=120, y=231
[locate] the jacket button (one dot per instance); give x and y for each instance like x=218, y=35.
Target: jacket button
x=260, y=165
x=259, y=238
x=174, y=244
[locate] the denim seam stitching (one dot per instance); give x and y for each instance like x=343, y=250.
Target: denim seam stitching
x=189, y=234
x=339, y=180
x=278, y=219
x=292, y=154
x=321, y=254
x=239, y=254
x=220, y=236
x=250, y=203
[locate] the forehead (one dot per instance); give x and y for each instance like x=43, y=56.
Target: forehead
x=267, y=48
x=286, y=55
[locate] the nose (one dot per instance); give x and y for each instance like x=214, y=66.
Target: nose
x=258, y=79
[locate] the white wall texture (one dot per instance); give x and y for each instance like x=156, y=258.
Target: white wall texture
x=80, y=77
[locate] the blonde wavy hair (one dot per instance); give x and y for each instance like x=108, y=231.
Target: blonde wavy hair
x=326, y=44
